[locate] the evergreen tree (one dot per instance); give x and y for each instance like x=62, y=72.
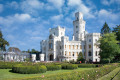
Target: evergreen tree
x=105, y=29
x=117, y=32
x=3, y=42
x=80, y=57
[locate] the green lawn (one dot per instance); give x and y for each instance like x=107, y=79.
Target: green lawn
x=110, y=75
x=5, y=74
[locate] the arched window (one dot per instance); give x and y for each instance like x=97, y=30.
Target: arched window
x=50, y=46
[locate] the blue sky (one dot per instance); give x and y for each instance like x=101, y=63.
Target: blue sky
x=25, y=23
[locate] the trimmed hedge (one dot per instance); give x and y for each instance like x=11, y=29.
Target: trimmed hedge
x=29, y=69
x=53, y=67
x=69, y=66
x=89, y=65
x=92, y=74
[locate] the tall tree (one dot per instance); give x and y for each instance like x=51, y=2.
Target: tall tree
x=117, y=32
x=105, y=29
x=3, y=42
x=109, y=47
x=80, y=57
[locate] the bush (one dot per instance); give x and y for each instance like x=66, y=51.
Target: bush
x=88, y=65
x=53, y=67
x=104, y=61
x=29, y=69
x=6, y=65
x=69, y=66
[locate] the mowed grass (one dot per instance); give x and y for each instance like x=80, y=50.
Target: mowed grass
x=110, y=75
x=5, y=74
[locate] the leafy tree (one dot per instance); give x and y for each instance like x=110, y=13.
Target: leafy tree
x=105, y=29
x=109, y=47
x=80, y=57
x=117, y=32
x=3, y=42
x=34, y=51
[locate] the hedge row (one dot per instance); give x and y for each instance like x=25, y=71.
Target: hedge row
x=69, y=66
x=92, y=74
x=29, y=69
x=53, y=67
x=89, y=65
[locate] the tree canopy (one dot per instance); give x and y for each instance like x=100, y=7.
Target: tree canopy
x=80, y=57
x=117, y=32
x=105, y=29
x=108, y=46
x=3, y=42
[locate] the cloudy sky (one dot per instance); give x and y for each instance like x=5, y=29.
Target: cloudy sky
x=25, y=23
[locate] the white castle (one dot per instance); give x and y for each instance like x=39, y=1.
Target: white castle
x=58, y=47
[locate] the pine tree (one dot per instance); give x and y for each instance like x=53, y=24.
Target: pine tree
x=105, y=29
x=3, y=42
x=117, y=32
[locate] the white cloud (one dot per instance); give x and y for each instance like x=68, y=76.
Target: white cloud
x=22, y=17
x=13, y=4
x=78, y=5
x=74, y=2
x=56, y=3
x=31, y=6
x=104, y=14
x=1, y=8
x=109, y=2
x=57, y=17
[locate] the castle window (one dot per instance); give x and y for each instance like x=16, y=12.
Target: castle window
x=76, y=26
x=77, y=18
x=77, y=53
x=89, y=40
x=50, y=46
x=96, y=60
x=69, y=47
x=77, y=46
x=73, y=53
x=96, y=40
x=73, y=46
x=65, y=53
x=89, y=46
x=60, y=47
x=80, y=46
x=76, y=31
x=89, y=53
x=96, y=53
x=65, y=46
x=69, y=54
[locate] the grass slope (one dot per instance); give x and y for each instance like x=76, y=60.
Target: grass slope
x=110, y=75
x=5, y=74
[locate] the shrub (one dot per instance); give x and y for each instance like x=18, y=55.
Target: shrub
x=104, y=61
x=53, y=67
x=29, y=69
x=88, y=65
x=69, y=66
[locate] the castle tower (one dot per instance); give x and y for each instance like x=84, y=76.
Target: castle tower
x=79, y=27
